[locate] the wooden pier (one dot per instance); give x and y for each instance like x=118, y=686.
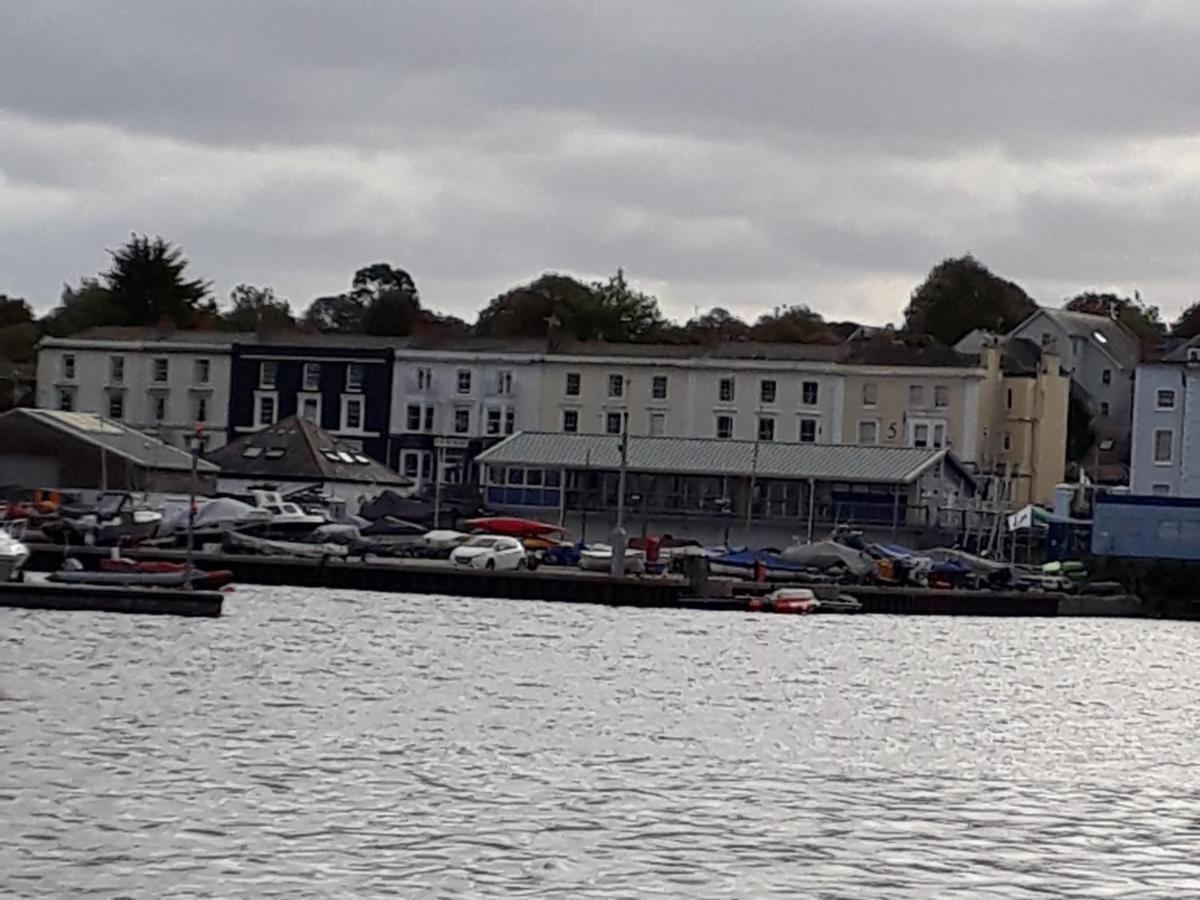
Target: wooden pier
x=89, y=598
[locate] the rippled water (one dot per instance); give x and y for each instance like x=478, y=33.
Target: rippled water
x=354, y=745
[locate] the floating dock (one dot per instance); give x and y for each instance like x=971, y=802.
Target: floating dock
x=78, y=597
x=561, y=585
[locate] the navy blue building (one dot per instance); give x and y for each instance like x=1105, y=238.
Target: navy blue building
x=344, y=385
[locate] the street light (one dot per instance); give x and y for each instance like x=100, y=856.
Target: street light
x=619, y=538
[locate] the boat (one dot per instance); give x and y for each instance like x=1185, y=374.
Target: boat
x=825, y=555
x=513, y=526
x=214, y=518
x=127, y=573
x=236, y=542
x=13, y=552
x=599, y=558
x=786, y=600
x=748, y=563
x=116, y=518
x=286, y=518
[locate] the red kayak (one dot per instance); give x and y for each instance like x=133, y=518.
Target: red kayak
x=513, y=527
x=166, y=573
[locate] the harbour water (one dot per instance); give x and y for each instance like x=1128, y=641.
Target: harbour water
x=314, y=744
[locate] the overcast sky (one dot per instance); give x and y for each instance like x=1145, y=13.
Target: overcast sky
x=735, y=154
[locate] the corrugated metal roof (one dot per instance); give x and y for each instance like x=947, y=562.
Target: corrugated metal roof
x=115, y=437
x=709, y=456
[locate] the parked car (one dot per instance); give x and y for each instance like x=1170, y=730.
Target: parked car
x=490, y=551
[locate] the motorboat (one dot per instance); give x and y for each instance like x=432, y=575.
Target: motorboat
x=787, y=600
x=214, y=518
x=826, y=555
x=127, y=573
x=236, y=542
x=286, y=518
x=599, y=558
x=748, y=563
x=13, y=552
x=116, y=518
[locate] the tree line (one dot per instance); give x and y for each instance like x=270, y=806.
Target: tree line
x=147, y=283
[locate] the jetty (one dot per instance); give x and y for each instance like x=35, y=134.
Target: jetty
x=89, y=598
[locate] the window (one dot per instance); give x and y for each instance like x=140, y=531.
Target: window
x=939, y=436
x=310, y=409
x=916, y=395
x=161, y=369
x=411, y=464
x=808, y=431
x=1006, y=443
x=266, y=409
x=766, y=428
x=462, y=421
x=267, y=372
x=429, y=418
x=1047, y=340
x=658, y=387
x=200, y=408
x=570, y=421
x=868, y=433
x=424, y=380
x=504, y=382
x=66, y=399
x=201, y=370
x=116, y=369
x=1106, y=376
x=658, y=424
x=312, y=376
x=1008, y=399
x=1163, y=440
x=724, y=427
x=493, y=420
x=808, y=393
x=921, y=435
x=356, y=374
x=766, y=390
x=352, y=414
x=510, y=421
x=464, y=381
x=941, y=395
x=1164, y=399
x=116, y=405
x=725, y=392
x=573, y=380
x=870, y=394
x=68, y=366
x=1161, y=489
x=412, y=417
x=616, y=385
x=1104, y=407
x=612, y=423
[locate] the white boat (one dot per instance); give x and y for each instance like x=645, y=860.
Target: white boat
x=13, y=552
x=286, y=517
x=116, y=518
x=599, y=558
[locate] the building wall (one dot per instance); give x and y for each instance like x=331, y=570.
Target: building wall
x=1146, y=527
x=97, y=382
x=1147, y=476
x=332, y=396
x=898, y=410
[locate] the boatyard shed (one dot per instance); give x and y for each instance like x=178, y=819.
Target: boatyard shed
x=42, y=448
x=823, y=484
x=295, y=453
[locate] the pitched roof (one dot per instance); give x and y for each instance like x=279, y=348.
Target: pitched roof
x=1110, y=335
x=114, y=437
x=710, y=456
x=294, y=449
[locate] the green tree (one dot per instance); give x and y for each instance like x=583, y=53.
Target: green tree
x=716, y=326
x=1188, y=324
x=257, y=309
x=377, y=279
x=793, y=325
x=146, y=285
x=960, y=295
x=87, y=306
x=526, y=311
x=1140, y=318
x=392, y=312
x=338, y=314
x=14, y=311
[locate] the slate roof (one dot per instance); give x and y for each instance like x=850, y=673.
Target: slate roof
x=710, y=456
x=294, y=449
x=115, y=437
x=1119, y=342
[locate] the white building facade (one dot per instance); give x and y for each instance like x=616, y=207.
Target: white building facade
x=166, y=386
x=1165, y=458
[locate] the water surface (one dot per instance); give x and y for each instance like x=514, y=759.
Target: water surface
x=340, y=744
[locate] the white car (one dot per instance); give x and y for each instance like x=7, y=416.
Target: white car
x=489, y=551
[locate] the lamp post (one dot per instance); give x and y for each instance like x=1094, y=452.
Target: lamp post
x=753, y=475
x=619, y=537
x=196, y=446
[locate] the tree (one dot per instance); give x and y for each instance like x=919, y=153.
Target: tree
x=1140, y=318
x=371, y=281
x=960, y=295
x=794, y=325
x=392, y=312
x=1188, y=324
x=257, y=309
x=14, y=311
x=339, y=314
x=716, y=326
x=146, y=285
x=87, y=306
x=525, y=311
x=616, y=312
